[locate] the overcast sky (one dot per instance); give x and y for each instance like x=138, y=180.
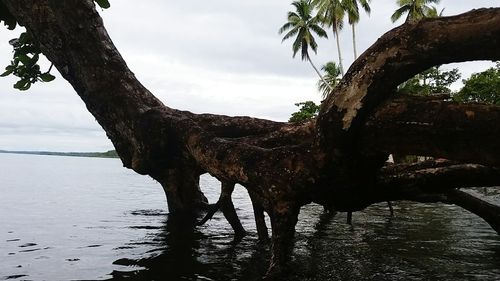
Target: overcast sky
x=217, y=56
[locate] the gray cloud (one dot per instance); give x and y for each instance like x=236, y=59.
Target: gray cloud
x=215, y=56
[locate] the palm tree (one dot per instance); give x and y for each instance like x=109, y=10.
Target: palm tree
x=332, y=15
x=352, y=9
x=416, y=9
x=332, y=77
x=302, y=24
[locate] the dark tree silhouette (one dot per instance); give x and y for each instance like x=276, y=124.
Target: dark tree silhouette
x=337, y=160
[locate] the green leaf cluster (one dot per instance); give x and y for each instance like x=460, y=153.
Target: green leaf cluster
x=331, y=77
x=307, y=110
x=433, y=81
x=483, y=87
x=302, y=25
x=24, y=63
x=415, y=10
x=103, y=3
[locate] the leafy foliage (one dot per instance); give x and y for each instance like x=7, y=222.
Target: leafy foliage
x=303, y=26
x=24, y=63
x=481, y=87
x=103, y=3
x=332, y=77
x=307, y=110
x=331, y=13
x=416, y=10
x=352, y=9
x=430, y=82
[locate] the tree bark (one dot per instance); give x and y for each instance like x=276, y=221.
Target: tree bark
x=283, y=221
x=337, y=160
x=337, y=39
x=354, y=41
x=225, y=203
x=434, y=127
x=260, y=222
x=182, y=190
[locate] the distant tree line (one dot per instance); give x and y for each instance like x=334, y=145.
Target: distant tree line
x=107, y=154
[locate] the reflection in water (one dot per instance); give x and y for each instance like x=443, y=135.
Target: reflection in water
x=93, y=220
x=422, y=242
x=183, y=252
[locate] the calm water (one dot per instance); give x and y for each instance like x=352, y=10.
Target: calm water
x=64, y=218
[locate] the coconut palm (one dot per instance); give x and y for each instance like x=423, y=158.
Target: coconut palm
x=416, y=10
x=352, y=9
x=332, y=77
x=332, y=15
x=302, y=25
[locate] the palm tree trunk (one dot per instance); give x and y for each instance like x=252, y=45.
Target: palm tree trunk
x=319, y=74
x=336, y=34
x=354, y=41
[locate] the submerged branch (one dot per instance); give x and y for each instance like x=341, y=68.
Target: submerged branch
x=487, y=211
x=431, y=127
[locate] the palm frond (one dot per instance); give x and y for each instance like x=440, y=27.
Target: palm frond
x=297, y=44
x=429, y=12
x=313, y=44
x=399, y=12
x=291, y=33
x=291, y=15
x=304, y=50
x=318, y=30
x=365, y=4
x=331, y=77
x=285, y=27
x=300, y=25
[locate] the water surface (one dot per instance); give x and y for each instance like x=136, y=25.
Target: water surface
x=69, y=218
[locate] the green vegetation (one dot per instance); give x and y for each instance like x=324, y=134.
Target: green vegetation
x=302, y=25
x=24, y=63
x=103, y=3
x=481, y=87
x=331, y=13
x=352, y=9
x=330, y=79
x=307, y=110
x=415, y=10
x=107, y=154
x=433, y=81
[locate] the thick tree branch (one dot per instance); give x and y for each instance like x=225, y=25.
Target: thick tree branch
x=403, y=182
x=285, y=166
x=487, y=211
x=72, y=36
x=431, y=127
x=225, y=203
x=422, y=182
x=399, y=55
x=437, y=181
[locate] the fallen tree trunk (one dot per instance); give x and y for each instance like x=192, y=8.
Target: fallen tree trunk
x=337, y=161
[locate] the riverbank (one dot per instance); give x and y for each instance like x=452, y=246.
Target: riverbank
x=107, y=154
